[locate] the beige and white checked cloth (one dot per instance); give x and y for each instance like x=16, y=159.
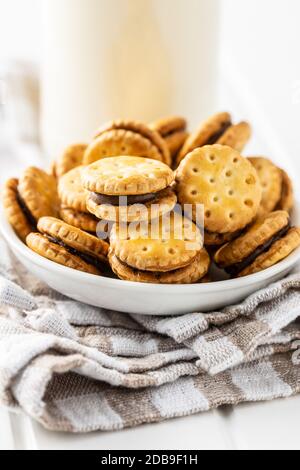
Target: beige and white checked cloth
x=76, y=368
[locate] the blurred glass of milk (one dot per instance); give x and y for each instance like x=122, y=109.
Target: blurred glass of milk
x=140, y=59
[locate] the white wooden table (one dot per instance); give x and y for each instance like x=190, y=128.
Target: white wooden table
x=273, y=425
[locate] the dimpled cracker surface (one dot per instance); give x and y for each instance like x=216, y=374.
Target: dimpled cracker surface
x=71, y=191
x=225, y=183
x=120, y=142
x=261, y=232
x=190, y=274
x=45, y=248
x=127, y=138
x=13, y=210
x=278, y=252
x=126, y=175
x=70, y=158
x=141, y=129
x=163, y=245
x=271, y=181
x=38, y=190
x=163, y=204
x=74, y=237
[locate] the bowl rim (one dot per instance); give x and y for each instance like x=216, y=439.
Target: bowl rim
x=16, y=244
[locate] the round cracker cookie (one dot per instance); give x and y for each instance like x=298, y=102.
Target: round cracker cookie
x=141, y=129
x=280, y=250
x=58, y=254
x=70, y=158
x=271, y=181
x=258, y=234
x=86, y=222
x=127, y=176
x=162, y=245
x=13, y=210
x=224, y=183
x=71, y=191
x=74, y=237
x=189, y=274
x=127, y=138
x=38, y=190
x=163, y=204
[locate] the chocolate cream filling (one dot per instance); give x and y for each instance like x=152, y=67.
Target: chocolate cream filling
x=124, y=201
x=215, y=137
x=86, y=258
x=237, y=268
x=154, y=273
x=30, y=218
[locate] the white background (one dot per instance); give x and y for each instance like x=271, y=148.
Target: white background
x=259, y=46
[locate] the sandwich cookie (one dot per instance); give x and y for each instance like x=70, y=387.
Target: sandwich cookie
x=16, y=212
x=70, y=158
x=270, y=177
x=270, y=240
x=217, y=130
x=224, y=183
x=68, y=246
x=127, y=138
x=129, y=189
x=173, y=131
x=73, y=199
x=28, y=199
x=166, y=251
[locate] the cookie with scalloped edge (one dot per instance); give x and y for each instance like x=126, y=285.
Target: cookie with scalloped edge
x=15, y=212
x=260, y=233
x=225, y=185
x=162, y=245
x=46, y=248
x=278, y=251
x=38, y=190
x=190, y=274
x=127, y=176
x=73, y=237
x=127, y=138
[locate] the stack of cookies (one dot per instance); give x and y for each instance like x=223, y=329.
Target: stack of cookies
x=127, y=204
x=148, y=240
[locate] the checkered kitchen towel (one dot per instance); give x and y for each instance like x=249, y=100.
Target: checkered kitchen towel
x=77, y=368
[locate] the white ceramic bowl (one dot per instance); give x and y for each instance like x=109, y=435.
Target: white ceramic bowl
x=146, y=299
